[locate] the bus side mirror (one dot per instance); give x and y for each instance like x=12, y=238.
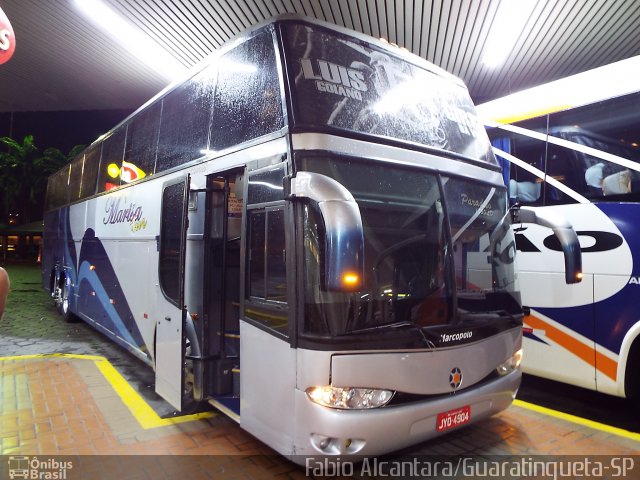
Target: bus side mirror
x=563, y=231
x=344, y=247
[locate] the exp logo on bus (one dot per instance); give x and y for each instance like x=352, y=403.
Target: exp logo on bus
x=7, y=38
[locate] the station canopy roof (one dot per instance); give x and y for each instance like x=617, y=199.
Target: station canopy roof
x=66, y=61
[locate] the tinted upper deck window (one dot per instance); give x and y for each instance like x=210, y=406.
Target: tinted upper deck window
x=247, y=102
x=111, y=160
x=186, y=112
x=90, y=172
x=142, y=143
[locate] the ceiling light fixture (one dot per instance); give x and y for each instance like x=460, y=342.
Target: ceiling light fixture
x=507, y=25
x=132, y=39
x=613, y=80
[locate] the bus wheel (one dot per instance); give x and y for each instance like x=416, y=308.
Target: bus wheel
x=632, y=380
x=56, y=291
x=52, y=284
x=62, y=302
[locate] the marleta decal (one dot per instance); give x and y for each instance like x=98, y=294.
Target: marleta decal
x=334, y=78
x=131, y=214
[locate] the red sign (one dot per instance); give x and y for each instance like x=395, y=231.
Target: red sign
x=7, y=39
x=453, y=418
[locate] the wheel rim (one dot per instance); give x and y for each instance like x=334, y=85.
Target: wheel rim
x=64, y=300
x=57, y=296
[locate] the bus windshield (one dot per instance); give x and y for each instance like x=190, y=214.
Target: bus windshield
x=342, y=83
x=438, y=252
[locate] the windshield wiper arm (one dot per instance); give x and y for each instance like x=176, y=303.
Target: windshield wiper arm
x=429, y=343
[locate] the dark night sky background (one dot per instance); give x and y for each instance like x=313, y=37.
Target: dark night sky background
x=62, y=130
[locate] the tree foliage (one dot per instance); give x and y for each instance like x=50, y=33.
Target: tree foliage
x=24, y=171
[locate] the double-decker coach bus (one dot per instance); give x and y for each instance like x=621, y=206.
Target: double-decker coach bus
x=571, y=147
x=311, y=233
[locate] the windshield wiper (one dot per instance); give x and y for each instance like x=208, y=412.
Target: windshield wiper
x=487, y=315
x=414, y=326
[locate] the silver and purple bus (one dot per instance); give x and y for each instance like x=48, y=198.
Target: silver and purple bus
x=311, y=233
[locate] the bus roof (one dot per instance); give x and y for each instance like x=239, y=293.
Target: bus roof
x=380, y=43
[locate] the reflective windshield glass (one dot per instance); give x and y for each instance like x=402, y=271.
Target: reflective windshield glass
x=483, y=248
x=411, y=272
x=344, y=83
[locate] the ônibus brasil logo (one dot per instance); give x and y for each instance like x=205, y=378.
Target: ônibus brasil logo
x=36, y=468
x=7, y=38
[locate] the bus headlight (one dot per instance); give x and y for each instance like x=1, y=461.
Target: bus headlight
x=511, y=364
x=348, y=398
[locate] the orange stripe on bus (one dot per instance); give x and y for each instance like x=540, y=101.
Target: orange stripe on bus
x=596, y=359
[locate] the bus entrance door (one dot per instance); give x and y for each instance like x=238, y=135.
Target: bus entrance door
x=169, y=310
x=222, y=288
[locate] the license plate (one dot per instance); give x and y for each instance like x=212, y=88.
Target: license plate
x=453, y=418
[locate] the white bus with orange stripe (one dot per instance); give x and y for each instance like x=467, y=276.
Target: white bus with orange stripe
x=571, y=147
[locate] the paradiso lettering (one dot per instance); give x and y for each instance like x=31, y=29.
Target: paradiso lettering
x=475, y=203
x=333, y=78
x=131, y=214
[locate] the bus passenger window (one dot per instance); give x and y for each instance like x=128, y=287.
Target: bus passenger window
x=90, y=172
x=57, y=189
x=75, y=177
x=600, y=147
x=111, y=161
x=266, y=186
x=524, y=186
x=184, y=128
x=276, y=284
x=171, y=241
x=525, y=173
x=142, y=142
x=247, y=101
x=256, y=255
x=266, y=272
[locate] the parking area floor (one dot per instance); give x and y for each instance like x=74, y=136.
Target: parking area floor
x=65, y=390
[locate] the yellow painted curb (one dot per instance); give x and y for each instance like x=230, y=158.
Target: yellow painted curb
x=143, y=413
x=579, y=420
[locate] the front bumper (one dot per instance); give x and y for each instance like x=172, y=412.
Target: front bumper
x=383, y=430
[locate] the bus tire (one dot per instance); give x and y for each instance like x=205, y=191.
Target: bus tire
x=631, y=378
x=52, y=284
